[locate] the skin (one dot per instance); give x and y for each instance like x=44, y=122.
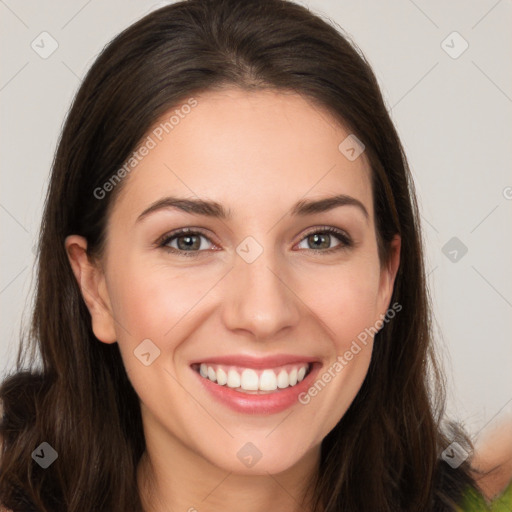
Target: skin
x=256, y=153
x=492, y=459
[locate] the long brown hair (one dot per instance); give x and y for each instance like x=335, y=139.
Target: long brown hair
x=383, y=455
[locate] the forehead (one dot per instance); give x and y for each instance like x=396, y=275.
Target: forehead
x=251, y=151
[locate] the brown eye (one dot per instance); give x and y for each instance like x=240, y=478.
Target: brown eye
x=321, y=240
x=185, y=241
x=188, y=242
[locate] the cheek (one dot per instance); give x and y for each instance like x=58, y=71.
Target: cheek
x=151, y=299
x=344, y=298
x=151, y=302
x=162, y=304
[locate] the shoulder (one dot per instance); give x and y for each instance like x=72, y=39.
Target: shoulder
x=492, y=460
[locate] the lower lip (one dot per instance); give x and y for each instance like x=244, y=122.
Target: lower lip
x=268, y=403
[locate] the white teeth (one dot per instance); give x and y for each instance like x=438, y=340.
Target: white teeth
x=233, y=379
x=268, y=381
x=222, y=378
x=211, y=374
x=249, y=380
x=282, y=380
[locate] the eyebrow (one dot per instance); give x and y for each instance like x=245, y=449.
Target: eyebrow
x=216, y=210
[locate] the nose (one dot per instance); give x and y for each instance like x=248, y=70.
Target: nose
x=260, y=298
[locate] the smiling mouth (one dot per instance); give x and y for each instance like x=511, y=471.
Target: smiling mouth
x=254, y=381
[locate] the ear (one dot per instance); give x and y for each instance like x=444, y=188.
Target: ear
x=388, y=274
x=91, y=280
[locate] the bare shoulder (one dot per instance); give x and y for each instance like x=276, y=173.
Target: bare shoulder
x=492, y=460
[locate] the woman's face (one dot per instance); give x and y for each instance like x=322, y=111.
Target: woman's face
x=258, y=295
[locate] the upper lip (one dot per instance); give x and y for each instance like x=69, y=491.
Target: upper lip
x=248, y=361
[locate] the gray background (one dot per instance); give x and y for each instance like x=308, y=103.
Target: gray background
x=453, y=116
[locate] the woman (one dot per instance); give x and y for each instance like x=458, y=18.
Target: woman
x=231, y=303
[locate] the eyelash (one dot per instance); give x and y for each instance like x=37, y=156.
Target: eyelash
x=162, y=242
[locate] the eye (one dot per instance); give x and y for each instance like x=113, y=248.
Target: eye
x=184, y=241
x=320, y=240
x=189, y=242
